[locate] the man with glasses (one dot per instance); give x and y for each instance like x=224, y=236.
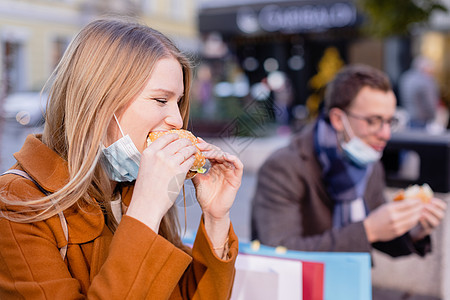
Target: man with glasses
x=325, y=191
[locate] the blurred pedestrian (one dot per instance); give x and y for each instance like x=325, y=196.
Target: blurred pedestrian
x=283, y=97
x=324, y=191
x=203, y=91
x=419, y=93
x=86, y=210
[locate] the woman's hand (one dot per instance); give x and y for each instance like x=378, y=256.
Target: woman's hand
x=163, y=167
x=431, y=217
x=217, y=189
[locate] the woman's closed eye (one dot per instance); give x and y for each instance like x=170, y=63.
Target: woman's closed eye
x=160, y=100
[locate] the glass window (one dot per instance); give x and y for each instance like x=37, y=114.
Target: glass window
x=59, y=46
x=12, y=66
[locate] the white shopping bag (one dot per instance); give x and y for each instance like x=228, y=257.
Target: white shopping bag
x=267, y=278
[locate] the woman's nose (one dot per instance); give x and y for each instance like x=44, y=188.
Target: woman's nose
x=174, y=119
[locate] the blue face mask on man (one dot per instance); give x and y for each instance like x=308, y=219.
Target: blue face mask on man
x=357, y=150
x=121, y=159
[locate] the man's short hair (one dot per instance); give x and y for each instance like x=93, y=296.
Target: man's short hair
x=347, y=83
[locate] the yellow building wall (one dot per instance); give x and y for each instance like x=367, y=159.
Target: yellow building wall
x=37, y=23
x=38, y=49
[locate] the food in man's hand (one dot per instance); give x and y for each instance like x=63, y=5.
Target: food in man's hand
x=424, y=193
x=200, y=160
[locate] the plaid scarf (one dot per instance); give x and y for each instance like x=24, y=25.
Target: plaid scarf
x=345, y=181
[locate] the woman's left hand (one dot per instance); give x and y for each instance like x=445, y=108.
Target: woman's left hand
x=216, y=191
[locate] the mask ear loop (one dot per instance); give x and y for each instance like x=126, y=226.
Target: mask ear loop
x=347, y=126
x=117, y=121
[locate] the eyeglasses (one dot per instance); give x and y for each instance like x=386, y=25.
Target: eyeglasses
x=375, y=123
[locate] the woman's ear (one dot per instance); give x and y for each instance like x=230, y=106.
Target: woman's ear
x=336, y=116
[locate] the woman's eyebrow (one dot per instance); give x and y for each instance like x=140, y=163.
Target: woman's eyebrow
x=167, y=93
x=159, y=90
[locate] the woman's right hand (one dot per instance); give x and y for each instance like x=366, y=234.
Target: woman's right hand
x=163, y=167
x=392, y=220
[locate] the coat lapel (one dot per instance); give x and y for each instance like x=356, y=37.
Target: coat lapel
x=305, y=147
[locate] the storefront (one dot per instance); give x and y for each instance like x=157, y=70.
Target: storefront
x=300, y=39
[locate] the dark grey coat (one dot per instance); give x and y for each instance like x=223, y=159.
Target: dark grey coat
x=292, y=208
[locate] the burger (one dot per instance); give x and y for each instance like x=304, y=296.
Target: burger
x=199, y=163
x=423, y=192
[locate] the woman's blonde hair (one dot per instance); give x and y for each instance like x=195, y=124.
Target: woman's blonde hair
x=104, y=68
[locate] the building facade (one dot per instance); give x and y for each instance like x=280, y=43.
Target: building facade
x=35, y=33
x=309, y=40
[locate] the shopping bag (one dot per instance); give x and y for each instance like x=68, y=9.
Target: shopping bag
x=313, y=277
x=272, y=277
x=346, y=276
x=267, y=278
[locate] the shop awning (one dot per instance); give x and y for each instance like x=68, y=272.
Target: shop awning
x=285, y=17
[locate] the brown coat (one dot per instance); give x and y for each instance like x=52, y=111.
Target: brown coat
x=134, y=263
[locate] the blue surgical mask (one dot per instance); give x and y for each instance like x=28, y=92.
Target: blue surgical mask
x=357, y=150
x=121, y=160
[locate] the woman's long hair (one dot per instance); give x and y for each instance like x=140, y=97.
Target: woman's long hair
x=104, y=68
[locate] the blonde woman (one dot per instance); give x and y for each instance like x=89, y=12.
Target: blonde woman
x=86, y=211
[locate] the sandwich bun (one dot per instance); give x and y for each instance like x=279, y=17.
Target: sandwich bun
x=200, y=160
x=423, y=192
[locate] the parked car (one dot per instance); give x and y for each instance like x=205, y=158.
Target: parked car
x=27, y=108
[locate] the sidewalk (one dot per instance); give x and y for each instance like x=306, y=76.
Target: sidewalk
x=250, y=150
